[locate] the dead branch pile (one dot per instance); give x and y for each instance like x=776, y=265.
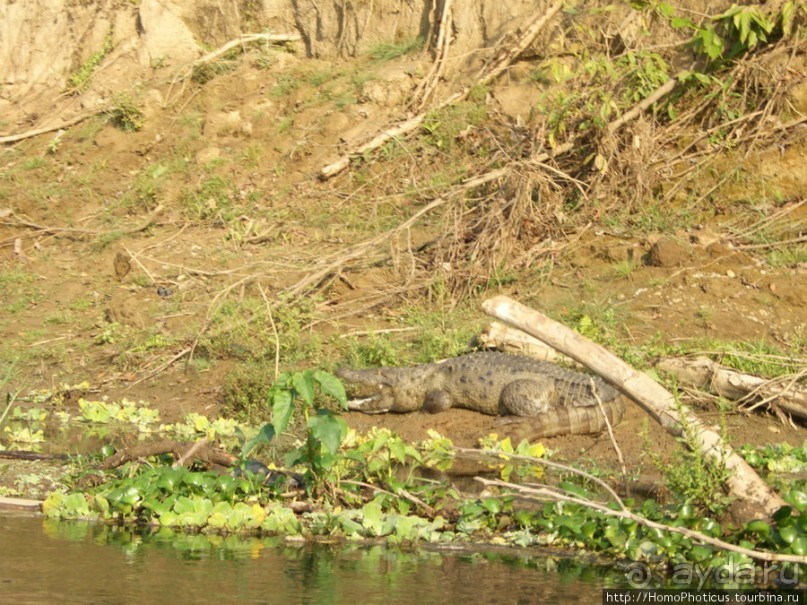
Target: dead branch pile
x=616, y=122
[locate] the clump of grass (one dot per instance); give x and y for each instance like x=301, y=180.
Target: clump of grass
x=246, y=390
x=386, y=51
x=125, y=114
x=285, y=84
x=203, y=73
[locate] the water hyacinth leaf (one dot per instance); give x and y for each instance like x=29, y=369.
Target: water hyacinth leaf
x=789, y=534
x=372, y=518
x=246, y=516
x=759, y=527
x=281, y=520
x=217, y=520
x=615, y=535
x=797, y=498
x=168, y=519
x=407, y=527
x=799, y=546
x=492, y=505
x=102, y=504
x=700, y=553
x=349, y=526
x=711, y=527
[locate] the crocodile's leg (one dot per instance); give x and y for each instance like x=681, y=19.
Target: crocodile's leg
x=436, y=401
x=528, y=397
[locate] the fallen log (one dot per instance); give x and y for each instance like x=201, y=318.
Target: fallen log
x=24, y=504
x=754, y=498
x=32, y=456
x=707, y=375
x=504, y=338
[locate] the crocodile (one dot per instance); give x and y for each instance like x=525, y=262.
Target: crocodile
x=553, y=400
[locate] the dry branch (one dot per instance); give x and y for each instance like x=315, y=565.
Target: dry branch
x=337, y=261
x=21, y=222
x=707, y=375
x=13, y=138
x=27, y=455
x=544, y=493
x=246, y=39
x=429, y=83
x=754, y=495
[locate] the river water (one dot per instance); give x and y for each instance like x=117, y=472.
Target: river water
x=48, y=562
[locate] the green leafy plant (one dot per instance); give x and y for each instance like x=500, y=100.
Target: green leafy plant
x=736, y=31
x=125, y=114
x=324, y=429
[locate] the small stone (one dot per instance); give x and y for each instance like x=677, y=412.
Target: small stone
x=666, y=252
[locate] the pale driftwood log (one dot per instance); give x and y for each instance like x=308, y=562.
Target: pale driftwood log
x=489, y=73
x=707, y=375
x=24, y=504
x=754, y=496
x=496, y=335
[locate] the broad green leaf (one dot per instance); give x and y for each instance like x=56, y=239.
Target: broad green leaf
x=264, y=436
x=759, y=527
x=331, y=386
x=304, y=385
x=701, y=553
x=397, y=449
x=328, y=428
x=282, y=409
x=183, y=505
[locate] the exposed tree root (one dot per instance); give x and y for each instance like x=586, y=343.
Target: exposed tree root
x=183, y=452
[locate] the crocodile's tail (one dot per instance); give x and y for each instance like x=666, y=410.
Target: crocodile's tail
x=564, y=420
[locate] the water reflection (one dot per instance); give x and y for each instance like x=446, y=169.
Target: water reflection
x=49, y=562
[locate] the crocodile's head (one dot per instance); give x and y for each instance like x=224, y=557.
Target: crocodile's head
x=373, y=391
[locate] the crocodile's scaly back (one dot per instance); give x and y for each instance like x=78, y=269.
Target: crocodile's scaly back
x=555, y=399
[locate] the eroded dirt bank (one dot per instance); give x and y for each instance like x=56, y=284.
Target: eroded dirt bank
x=162, y=248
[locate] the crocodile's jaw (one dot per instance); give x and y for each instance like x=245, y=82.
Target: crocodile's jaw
x=368, y=405
x=369, y=391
